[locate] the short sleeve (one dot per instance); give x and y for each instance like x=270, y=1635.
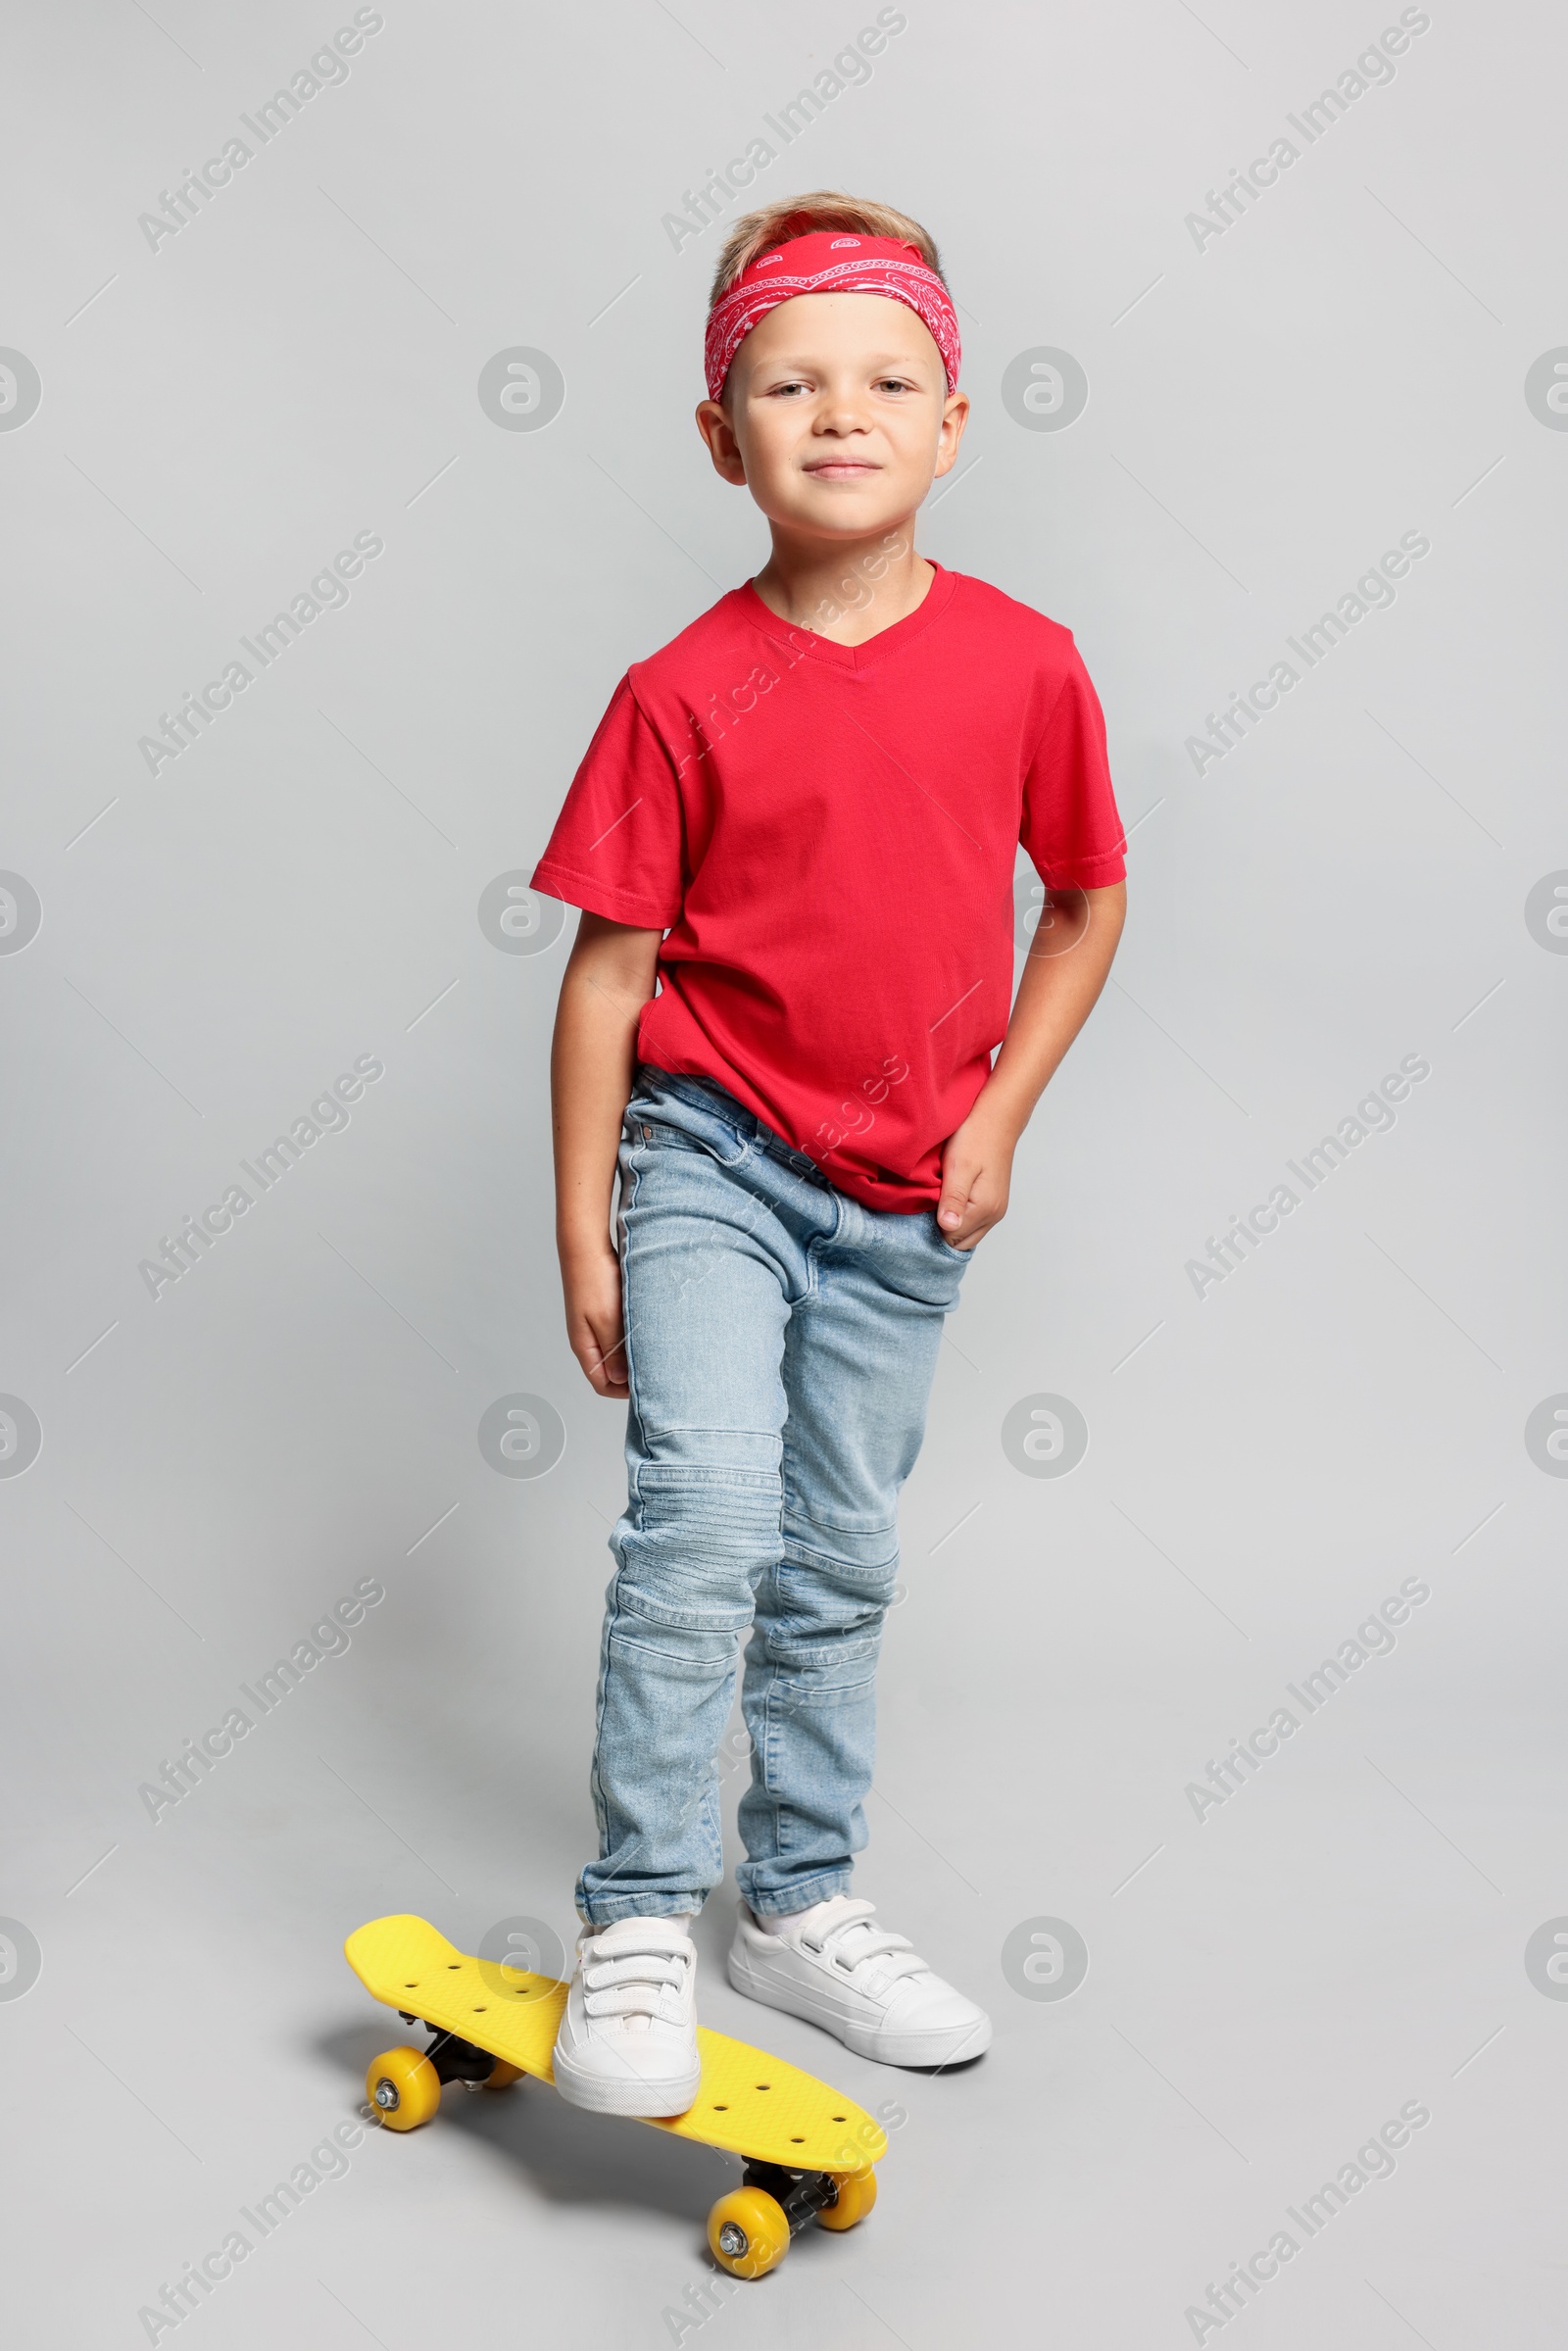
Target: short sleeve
x=1070, y=827
x=616, y=847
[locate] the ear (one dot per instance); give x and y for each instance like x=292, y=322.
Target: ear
x=722, y=446
x=955, y=417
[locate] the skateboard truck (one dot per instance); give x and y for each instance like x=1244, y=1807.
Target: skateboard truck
x=454, y=2060
x=750, y=2229
x=457, y=2060
x=799, y=2196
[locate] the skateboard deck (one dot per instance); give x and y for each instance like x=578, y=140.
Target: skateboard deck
x=749, y=2102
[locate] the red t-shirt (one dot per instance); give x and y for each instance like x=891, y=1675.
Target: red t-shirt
x=828, y=834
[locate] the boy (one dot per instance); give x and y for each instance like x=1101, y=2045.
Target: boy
x=798, y=823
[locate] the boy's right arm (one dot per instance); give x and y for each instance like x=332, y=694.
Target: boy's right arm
x=609, y=978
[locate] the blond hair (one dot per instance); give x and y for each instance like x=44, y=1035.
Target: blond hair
x=799, y=216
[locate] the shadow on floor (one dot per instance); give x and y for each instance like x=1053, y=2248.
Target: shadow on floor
x=565, y=2155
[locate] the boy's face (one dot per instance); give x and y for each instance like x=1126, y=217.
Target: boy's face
x=836, y=415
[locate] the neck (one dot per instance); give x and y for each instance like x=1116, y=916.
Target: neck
x=849, y=590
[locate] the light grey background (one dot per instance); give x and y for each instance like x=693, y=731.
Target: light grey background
x=300, y=1411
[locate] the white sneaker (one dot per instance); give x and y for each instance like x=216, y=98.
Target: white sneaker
x=627, y=2039
x=841, y=1971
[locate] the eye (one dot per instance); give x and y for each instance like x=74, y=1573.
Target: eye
x=892, y=383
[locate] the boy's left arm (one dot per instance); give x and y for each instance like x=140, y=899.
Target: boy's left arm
x=1066, y=969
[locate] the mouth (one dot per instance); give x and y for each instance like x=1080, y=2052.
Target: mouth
x=842, y=469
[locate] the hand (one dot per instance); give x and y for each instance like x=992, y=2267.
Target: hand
x=977, y=1174
x=594, y=1327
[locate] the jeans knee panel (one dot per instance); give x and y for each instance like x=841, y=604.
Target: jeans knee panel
x=791, y=1679
x=805, y=1624
x=836, y=1665
x=680, y=1593
x=695, y=1546
x=674, y=1650
x=697, y=1485
x=841, y=1551
x=810, y=1593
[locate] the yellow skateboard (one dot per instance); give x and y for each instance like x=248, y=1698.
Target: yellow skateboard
x=809, y=2150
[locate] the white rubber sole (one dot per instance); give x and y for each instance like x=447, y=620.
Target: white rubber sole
x=625, y=2093
x=947, y=2044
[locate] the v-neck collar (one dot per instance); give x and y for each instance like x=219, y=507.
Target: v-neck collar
x=887, y=640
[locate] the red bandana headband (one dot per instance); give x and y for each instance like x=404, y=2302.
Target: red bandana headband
x=829, y=262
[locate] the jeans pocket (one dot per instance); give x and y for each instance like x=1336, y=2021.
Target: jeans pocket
x=666, y=1120
x=962, y=1255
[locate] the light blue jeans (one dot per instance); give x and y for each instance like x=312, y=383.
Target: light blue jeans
x=781, y=1340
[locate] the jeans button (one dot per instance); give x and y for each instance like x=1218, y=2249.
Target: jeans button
x=648, y=1134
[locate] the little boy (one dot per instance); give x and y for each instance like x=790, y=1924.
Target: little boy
x=793, y=842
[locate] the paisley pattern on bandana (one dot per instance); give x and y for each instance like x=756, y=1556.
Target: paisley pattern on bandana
x=826, y=262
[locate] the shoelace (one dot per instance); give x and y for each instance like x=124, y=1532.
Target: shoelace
x=640, y=1986
x=851, y=1943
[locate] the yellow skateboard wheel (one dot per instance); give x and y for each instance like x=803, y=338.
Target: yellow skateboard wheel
x=748, y=2233
x=502, y=2076
x=403, y=2087
x=856, y=2195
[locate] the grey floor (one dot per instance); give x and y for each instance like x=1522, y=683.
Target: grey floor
x=1265, y=1990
